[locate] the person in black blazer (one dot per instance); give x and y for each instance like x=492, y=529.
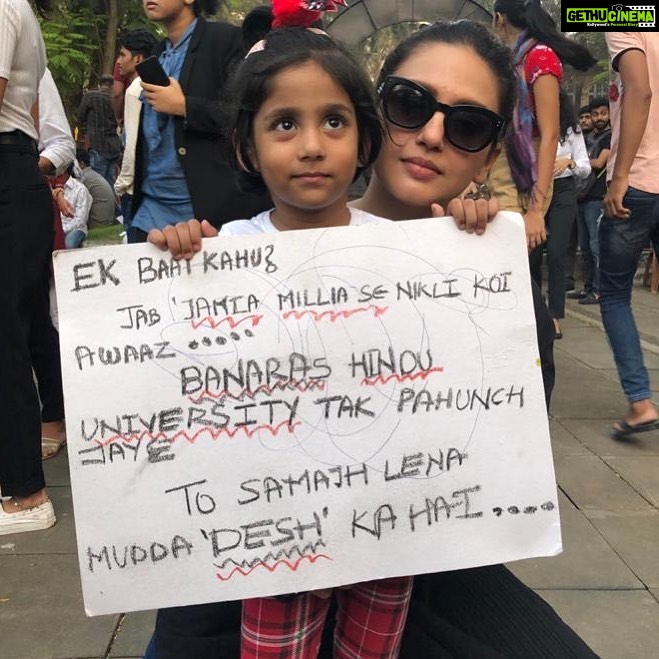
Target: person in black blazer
x=193, y=100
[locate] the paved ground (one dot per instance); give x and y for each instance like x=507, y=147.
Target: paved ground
x=605, y=584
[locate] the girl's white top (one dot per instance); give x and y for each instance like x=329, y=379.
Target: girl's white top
x=262, y=223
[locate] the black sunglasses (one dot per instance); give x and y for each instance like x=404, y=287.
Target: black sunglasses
x=467, y=127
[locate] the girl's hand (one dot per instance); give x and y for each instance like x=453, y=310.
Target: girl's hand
x=183, y=240
x=534, y=223
x=470, y=215
x=167, y=100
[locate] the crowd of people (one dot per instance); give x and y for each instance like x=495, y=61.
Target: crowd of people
x=246, y=120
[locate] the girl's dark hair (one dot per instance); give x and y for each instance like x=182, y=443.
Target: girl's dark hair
x=529, y=15
x=204, y=7
x=464, y=32
x=251, y=85
x=567, y=115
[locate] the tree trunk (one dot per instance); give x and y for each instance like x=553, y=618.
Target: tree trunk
x=109, y=54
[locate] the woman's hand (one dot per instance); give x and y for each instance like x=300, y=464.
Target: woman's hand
x=561, y=165
x=183, y=240
x=470, y=215
x=534, y=222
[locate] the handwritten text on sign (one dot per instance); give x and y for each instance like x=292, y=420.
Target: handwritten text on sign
x=304, y=409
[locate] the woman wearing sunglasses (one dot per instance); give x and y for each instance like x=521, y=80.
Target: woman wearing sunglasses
x=522, y=181
x=447, y=93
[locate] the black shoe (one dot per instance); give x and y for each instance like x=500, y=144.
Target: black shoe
x=591, y=298
x=577, y=295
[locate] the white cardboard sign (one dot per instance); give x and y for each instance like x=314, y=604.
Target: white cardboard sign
x=301, y=410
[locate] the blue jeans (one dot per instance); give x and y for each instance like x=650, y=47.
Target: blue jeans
x=105, y=165
x=588, y=214
x=621, y=244
x=74, y=239
x=150, y=652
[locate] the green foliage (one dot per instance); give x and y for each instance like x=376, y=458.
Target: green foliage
x=70, y=49
x=233, y=11
x=77, y=43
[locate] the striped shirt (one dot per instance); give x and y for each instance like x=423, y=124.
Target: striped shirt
x=96, y=117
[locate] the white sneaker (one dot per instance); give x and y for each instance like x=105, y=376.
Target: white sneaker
x=36, y=518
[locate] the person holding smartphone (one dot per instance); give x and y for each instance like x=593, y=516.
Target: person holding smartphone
x=180, y=166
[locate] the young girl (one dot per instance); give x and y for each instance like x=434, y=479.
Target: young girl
x=305, y=124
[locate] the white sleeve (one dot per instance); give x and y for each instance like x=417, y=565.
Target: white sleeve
x=55, y=139
x=580, y=155
x=132, y=109
x=9, y=30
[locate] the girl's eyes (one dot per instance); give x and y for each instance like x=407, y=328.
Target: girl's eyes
x=334, y=122
x=284, y=125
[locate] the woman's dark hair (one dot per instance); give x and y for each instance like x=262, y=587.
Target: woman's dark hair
x=251, y=85
x=567, y=115
x=529, y=15
x=464, y=33
x=204, y=7
x=138, y=42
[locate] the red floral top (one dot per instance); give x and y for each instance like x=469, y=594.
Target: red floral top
x=540, y=60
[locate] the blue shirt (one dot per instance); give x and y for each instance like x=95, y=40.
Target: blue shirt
x=166, y=197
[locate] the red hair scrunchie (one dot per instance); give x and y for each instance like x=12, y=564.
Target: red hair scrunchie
x=301, y=13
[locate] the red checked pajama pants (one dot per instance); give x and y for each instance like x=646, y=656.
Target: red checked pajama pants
x=370, y=623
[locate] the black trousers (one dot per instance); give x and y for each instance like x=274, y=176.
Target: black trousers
x=559, y=220
x=26, y=236
x=43, y=343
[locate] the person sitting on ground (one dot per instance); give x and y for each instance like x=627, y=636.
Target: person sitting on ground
x=102, y=211
x=75, y=226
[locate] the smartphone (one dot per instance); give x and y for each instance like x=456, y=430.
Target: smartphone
x=150, y=71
